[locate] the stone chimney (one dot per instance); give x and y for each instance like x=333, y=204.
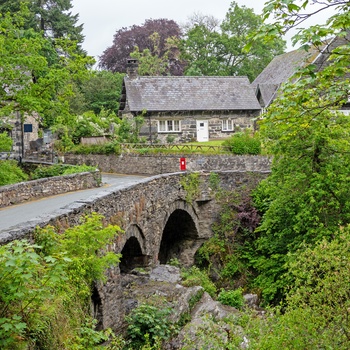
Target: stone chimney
x=132, y=68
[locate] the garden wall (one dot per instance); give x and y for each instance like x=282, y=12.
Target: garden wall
x=26, y=191
x=161, y=164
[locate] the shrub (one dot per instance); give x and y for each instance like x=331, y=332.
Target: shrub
x=243, y=143
x=190, y=184
x=5, y=142
x=196, y=277
x=59, y=169
x=106, y=148
x=148, y=324
x=45, y=288
x=78, y=169
x=11, y=173
x=231, y=297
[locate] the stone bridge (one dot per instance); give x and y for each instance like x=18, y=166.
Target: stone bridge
x=161, y=218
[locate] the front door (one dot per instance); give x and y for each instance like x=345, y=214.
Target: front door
x=202, y=130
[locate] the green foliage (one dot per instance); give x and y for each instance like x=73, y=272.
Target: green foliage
x=101, y=91
x=231, y=297
x=5, y=142
x=170, y=138
x=78, y=169
x=45, y=78
x=174, y=262
x=214, y=181
x=196, y=277
x=316, y=313
x=11, y=173
x=53, y=17
x=306, y=197
x=45, y=287
x=105, y=148
x=226, y=254
x=59, y=169
x=244, y=143
x=155, y=62
x=148, y=324
x=213, y=49
x=128, y=130
x=190, y=184
x=87, y=124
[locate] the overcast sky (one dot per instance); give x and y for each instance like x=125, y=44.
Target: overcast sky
x=102, y=18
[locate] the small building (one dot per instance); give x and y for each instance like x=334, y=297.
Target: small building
x=186, y=108
x=283, y=67
x=22, y=132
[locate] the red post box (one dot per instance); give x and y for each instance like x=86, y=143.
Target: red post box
x=182, y=163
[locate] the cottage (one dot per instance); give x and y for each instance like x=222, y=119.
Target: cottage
x=283, y=67
x=186, y=108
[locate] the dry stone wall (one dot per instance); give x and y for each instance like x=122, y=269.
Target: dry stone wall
x=160, y=164
x=26, y=191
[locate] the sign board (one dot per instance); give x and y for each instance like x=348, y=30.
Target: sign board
x=28, y=127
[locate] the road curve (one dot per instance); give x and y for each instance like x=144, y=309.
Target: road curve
x=21, y=213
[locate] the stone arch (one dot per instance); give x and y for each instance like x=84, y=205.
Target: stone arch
x=180, y=238
x=133, y=250
x=97, y=308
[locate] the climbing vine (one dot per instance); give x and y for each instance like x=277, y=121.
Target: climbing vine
x=190, y=183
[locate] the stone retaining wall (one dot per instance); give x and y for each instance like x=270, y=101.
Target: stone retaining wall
x=26, y=191
x=160, y=164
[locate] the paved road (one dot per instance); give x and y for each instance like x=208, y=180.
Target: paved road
x=17, y=214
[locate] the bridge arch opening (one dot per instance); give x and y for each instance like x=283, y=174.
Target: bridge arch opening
x=180, y=238
x=97, y=308
x=132, y=256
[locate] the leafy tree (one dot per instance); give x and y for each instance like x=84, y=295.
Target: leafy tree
x=153, y=63
x=52, y=17
x=29, y=82
x=220, y=50
x=306, y=197
x=239, y=23
x=201, y=50
x=126, y=40
x=101, y=91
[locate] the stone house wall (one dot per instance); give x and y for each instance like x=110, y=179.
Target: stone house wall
x=241, y=120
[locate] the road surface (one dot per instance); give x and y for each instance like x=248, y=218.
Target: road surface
x=20, y=213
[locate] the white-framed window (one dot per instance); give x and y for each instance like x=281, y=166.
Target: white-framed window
x=227, y=125
x=169, y=125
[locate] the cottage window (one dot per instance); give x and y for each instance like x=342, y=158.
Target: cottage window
x=227, y=125
x=169, y=126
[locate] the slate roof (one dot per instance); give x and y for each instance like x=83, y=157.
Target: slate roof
x=279, y=70
x=284, y=66
x=170, y=93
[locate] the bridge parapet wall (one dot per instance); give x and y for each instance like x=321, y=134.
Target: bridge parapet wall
x=160, y=164
x=145, y=204
x=35, y=189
